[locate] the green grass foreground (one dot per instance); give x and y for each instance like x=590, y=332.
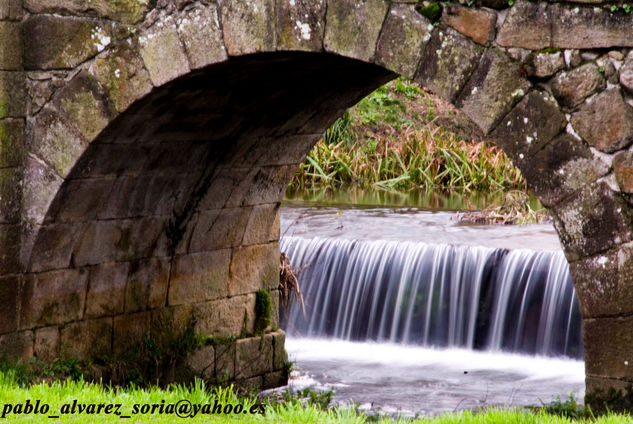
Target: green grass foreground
x=290, y=410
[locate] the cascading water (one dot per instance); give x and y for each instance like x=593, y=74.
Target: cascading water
x=435, y=295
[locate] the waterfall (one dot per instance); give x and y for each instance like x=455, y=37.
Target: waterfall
x=435, y=295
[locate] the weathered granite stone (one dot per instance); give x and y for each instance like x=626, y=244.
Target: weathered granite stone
x=275, y=379
x=572, y=58
x=226, y=317
x=200, y=32
x=87, y=339
x=495, y=86
x=11, y=195
x=404, y=34
x=570, y=166
x=253, y=357
x=128, y=11
x=10, y=291
x=106, y=289
x=129, y=331
x=147, y=285
x=158, y=42
x=11, y=248
x=527, y=25
x=544, y=64
x=300, y=24
x=46, y=346
x=533, y=122
x=578, y=27
x=199, y=276
x=593, y=220
x=79, y=200
x=17, y=346
x=623, y=170
x=218, y=229
x=253, y=268
x=12, y=94
x=10, y=47
x=12, y=149
x=248, y=27
x=55, y=297
x=615, y=360
x=476, y=24
x=572, y=87
x=56, y=42
x=54, y=246
x=202, y=362
x=605, y=121
x=11, y=10
x=626, y=73
x=352, y=28
x=280, y=356
x=262, y=225
x=448, y=60
x=123, y=76
x=603, y=281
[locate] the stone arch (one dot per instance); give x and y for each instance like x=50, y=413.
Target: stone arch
x=157, y=140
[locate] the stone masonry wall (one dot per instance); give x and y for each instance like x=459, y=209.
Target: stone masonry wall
x=145, y=146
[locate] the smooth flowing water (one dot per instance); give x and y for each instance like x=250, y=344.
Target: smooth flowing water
x=406, y=298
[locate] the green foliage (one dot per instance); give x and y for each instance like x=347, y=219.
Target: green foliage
x=432, y=12
x=568, y=408
x=263, y=311
x=612, y=400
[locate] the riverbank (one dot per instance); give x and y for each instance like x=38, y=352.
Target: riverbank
x=402, y=138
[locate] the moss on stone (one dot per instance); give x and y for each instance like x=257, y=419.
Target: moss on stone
x=263, y=311
x=433, y=11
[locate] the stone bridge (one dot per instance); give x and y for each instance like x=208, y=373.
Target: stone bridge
x=145, y=146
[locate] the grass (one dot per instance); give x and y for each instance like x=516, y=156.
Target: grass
x=395, y=139
x=305, y=407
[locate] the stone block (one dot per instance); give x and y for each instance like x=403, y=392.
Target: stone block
x=200, y=32
x=170, y=323
x=130, y=330
x=147, y=285
x=493, y=89
x=353, y=28
x=143, y=195
x=544, y=64
x=626, y=73
x=41, y=183
x=300, y=24
x=227, y=317
x=11, y=10
x=527, y=25
x=262, y=185
x=54, y=297
x=47, y=343
x=447, y=62
x=17, y=346
x=158, y=42
x=593, y=220
x=253, y=356
x=12, y=149
x=221, y=188
x=10, y=47
x=120, y=161
x=62, y=42
x=279, y=356
x=262, y=226
x=253, y=268
x=531, y=124
x=129, y=12
x=225, y=362
x=123, y=76
x=218, y=229
x=275, y=379
x=402, y=40
x=603, y=282
x=12, y=94
x=11, y=195
x=80, y=200
x=53, y=246
x=202, y=362
x=11, y=245
x=248, y=27
x=89, y=339
x=569, y=166
x=576, y=27
x=10, y=291
x=623, y=170
x=253, y=384
x=476, y=24
x=572, y=87
x=199, y=276
x=605, y=121
x=106, y=289
x=608, y=345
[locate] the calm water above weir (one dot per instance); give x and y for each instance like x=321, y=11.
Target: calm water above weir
x=409, y=309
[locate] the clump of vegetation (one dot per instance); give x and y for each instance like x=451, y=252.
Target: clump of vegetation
x=393, y=140
x=288, y=283
x=263, y=311
x=515, y=209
